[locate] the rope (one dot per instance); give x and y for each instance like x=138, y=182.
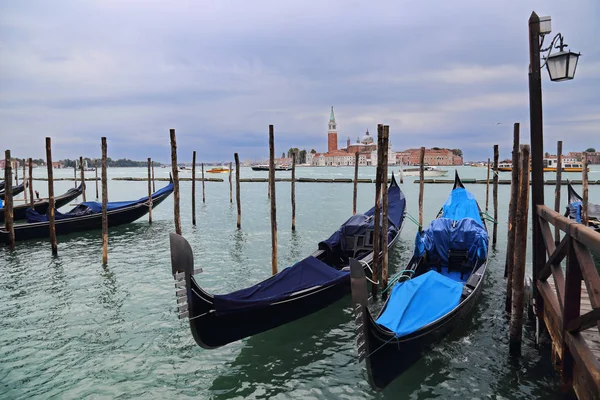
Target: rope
x=411, y=218
x=488, y=217
x=379, y=348
x=398, y=276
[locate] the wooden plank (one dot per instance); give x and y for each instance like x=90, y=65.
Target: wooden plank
x=555, y=258
x=547, y=236
x=585, y=321
x=588, y=367
x=559, y=284
x=589, y=272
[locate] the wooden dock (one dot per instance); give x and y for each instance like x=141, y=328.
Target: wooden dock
x=569, y=302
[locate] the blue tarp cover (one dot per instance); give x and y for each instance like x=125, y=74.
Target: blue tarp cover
x=304, y=274
x=444, y=234
x=420, y=301
x=359, y=224
x=94, y=207
x=461, y=204
x=575, y=211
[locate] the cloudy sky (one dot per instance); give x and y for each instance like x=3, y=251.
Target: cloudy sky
x=440, y=73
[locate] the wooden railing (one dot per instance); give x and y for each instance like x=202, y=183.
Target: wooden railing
x=579, y=365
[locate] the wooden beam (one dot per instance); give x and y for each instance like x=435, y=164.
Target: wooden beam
x=8, y=200
x=588, y=272
x=175, y=171
x=237, y=190
x=149, y=190
x=555, y=258
x=495, y=197
x=104, y=204
x=51, y=205
x=585, y=321
x=273, y=200
x=194, y=187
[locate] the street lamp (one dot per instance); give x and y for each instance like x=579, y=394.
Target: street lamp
x=561, y=66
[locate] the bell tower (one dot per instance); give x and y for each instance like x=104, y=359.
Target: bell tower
x=332, y=133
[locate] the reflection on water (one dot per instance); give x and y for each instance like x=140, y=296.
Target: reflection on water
x=72, y=328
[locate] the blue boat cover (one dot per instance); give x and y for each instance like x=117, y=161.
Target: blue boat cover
x=575, y=211
x=417, y=302
x=359, y=224
x=444, y=234
x=305, y=274
x=461, y=204
x=94, y=207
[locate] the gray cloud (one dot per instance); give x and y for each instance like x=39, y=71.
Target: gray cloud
x=221, y=72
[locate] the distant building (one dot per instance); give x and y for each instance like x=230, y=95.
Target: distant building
x=433, y=157
x=14, y=164
x=365, y=147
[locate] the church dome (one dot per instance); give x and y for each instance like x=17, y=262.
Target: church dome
x=367, y=139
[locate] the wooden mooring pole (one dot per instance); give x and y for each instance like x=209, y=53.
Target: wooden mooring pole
x=512, y=214
x=273, y=202
x=557, y=190
x=82, y=178
x=51, y=206
x=237, y=190
x=75, y=173
x=31, y=199
x=230, y=185
x=487, y=188
x=8, y=201
x=177, y=216
x=96, y=173
x=25, y=181
x=149, y=190
x=194, y=188
x=104, y=204
x=355, y=192
x=584, y=182
x=495, y=197
x=518, y=297
x=421, y=186
x=203, y=190
x=377, y=226
x=293, y=194
x=153, y=181
x=384, y=214
x=16, y=172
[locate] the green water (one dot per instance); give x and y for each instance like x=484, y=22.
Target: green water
x=72, y=328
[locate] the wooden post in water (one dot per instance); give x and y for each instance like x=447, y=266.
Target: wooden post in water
x=487, y=188
x=25, y=181
x=355, y=192
x=153, y=181
x=230, y=185
x=512, y=215
x=495, y=195
x=194, y=188
x=96, y=173
x=8, y=200
x=31, y=199
x=273, y=202
x=421, y=186
x=557, y=189
x=384, y=213
x=293, y=191
x=75, y=173
x=82, y=177
x=51, y=206
x=516, y=317
x=377, y=225
x=104, y=204
x=203, y=194
x=584, y=182
x=149, y=190
x=176, y=213
x=237, y=190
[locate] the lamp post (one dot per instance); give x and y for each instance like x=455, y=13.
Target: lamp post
x=561, y=66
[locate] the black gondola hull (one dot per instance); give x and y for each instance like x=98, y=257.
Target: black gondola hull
x=41, y=206
x=389, y=357
x=39, y=230
x=15, y=191
x=212, y=330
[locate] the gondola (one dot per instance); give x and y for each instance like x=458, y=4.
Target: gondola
x=304, y=288
x=2, y=185
x=15, y=191
x=433, y=293
x=41, y=206
x=574, y=209
x=86, y=216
